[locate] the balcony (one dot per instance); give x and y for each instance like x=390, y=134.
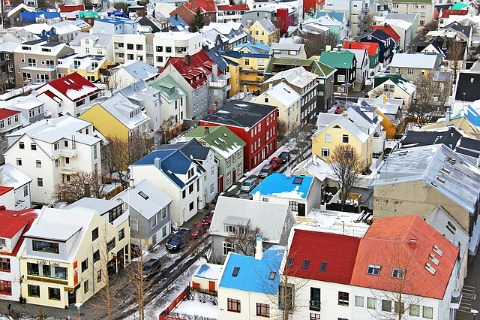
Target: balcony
x=67, y=170
x=315, y=305
x=69, y=153
x=36, y=66
x=218, y=84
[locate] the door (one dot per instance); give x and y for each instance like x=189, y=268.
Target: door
x=220, y=183
x=72, y=297
x=301, y=209
x=234, y=175
x=211, y=286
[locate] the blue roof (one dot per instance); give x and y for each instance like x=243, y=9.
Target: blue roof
x=238, y=54
x=112, y=20
x=257, y=47
x=471, y=114
x=117, y=13
x=32, y=16
x=278, y=185
x=218, y=59
x=336, y=15
x=253, y=275
x=177, y=21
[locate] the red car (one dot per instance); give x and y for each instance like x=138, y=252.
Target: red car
x=197, y=229
x=275, y=163
x=208, y=218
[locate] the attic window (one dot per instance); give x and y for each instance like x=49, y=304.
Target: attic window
x=305, y=264
x=450, y=227
x=235, y=272
x=398, y=273
x=143, y=195
x=445, y=170
x=403, y=153
x=441, y=179
x=450, y=160
x=337, y=127
x=374, y=269
x=434, y=259
x=298, y=180
x=225, y=135
x=437, y=250
x=272, y=275
x=323, y=266
x=289, y=262
x=430, y=269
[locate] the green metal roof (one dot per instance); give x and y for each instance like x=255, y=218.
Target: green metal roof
x=221, y=139
x=338, y=59
x=169, y=88
x=396, y=78
x=313, y=66
x=460, y=6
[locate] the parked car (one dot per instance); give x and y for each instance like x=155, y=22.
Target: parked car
x=265, y=172
x=178, y=240
x=248, y=185
x=151, y=267
x=135, y=250
x=275, y=163
x=197, y=229
x=284, y=156
x=208, y=218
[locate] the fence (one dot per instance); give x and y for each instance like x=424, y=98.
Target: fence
x=174, y=304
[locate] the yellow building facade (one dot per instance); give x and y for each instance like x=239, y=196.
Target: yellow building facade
x=264, y=31
x=246, y=71
x=105, y=122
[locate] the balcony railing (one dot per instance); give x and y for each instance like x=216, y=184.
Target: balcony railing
x=315, y=305
x=67, y=170
x=65, y=152
x=36, y=66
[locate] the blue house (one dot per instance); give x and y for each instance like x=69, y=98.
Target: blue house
x=386, y=44
x=301, y=193
x=249, y=284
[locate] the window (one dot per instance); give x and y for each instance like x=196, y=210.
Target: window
x=286, y=297
x=427, y=312
x=414, y=310
x=345, y=138
x=191, y=206
x=293, y=205
x=328, y=137
x=184, y=194
x=359, y=301
x=54, y=293
x=323, y=266
x=190, y=188
x=19, y=161
x=25, y=191
x=398, y=273
x=96, y=256
x=38, y=163
x=164, y=213
x=341, y=78
x=233, y=305
x=343, y=298
x=21, y=145
x=44, y=246
x=410, y=71
x=386, y=305
x=325, y=152
x=374, y=270
x=305, y=264
x=134, y=224
x=33, y=146
x=263, y=310
x=247, y=62
x=228, y=247
x=84, y=265
x=5, y=287
x=94, y=234
x=154, y=221
x=230, y=228
x=111, y=244
x=399, y=308
x=121, y=234
x=314, y=316
x=33, y=291
x=168, y=49
x=371, y=303
x=315, y=299
x=85, y=286
x=4, y=264
x=99, y=276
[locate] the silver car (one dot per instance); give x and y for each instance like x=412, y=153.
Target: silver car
x=248, y=185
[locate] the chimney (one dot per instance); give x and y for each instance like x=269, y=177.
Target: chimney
x=328, y=48
x=207, y=130
x=157, y=162
x=384, y=99
x=176, y=16
x=412, y=242
x=187, y=59
x=259, y=249
x=448, y=115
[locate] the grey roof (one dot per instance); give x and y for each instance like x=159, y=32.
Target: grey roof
x=269, y=217
x=140, y=70
x=409, y=17
x=439, y=167
x=138, y=92
x=327, y=120
x=8, y=46
x=120, y=108
x=298, y=77
x=267, y=25
x=414, y=60
x=102, y=40
x=360, y=55
x=101, y=206
x=156, y=201
x=286, y=46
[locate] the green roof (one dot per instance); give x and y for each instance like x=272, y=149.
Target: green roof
x=221, y=139
x=313, y=66
x=338, y=59
x=88, y=14
x=396, y=78
x=460, y=6
x=169, y=88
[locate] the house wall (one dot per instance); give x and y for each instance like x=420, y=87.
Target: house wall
x=145, y=230
x=290, y=114
x=260, y=34
x=414, y=198
x=252, y=16
x=424, y=10
x=411, y=74
x=13, y=277
x=397, y=93
x=23, y=197
x=8, y=200
x=105, y=123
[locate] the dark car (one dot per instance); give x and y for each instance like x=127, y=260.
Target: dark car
x=208, y=218
x=265, y=172
x=136, y=251
x=197, y=229
x=275, y=163
x=150, y=267
x=178, y=240
x=284, y=156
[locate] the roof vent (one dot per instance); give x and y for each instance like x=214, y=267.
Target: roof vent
x=434, y=259
x=437, y=250
x=430, y=269
x=235, y=272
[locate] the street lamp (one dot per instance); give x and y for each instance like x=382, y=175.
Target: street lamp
x=474, y=312
x=78, y=305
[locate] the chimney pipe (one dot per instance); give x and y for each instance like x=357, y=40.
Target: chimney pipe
x=207, y=130
x=158, y=163
x=448, y=115
x=187, y=59
x=259, y=249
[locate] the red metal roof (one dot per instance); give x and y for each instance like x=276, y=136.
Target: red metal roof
x=233, y=7
x=388, y=30
x=405, y=242
x=207, y=5
x=73, y=86
x=5, y=113
x=445, y=13
x=13, y=222
x=4, y=189
x=337, y=250
x=71, y=8
x=371, y=47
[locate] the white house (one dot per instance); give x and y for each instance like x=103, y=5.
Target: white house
x=93, y=43
x=51, y=150
x=362, y=68
x=21, y=184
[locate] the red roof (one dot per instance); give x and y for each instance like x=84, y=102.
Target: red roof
x=371, y=47
x=388, y=30
x=405, y=242
x=71, y=8
x=5, y=113
x=207, y=5
x=233, y=7
x=196, y=71
x=73, y=86
x=13, y=222
x=336, y=250
x=4, y=190
x=445, y=13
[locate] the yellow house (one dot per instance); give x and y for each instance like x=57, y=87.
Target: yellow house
x=335, y=129
x=69, y=253
x=246, y=71
x=91, y=67
x=117, y=117
x=264, y=31
x=461, y=123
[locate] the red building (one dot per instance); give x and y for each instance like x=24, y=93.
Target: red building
x=256, y=124
x=285, y=19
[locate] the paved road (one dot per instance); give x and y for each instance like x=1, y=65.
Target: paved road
x=473, y=279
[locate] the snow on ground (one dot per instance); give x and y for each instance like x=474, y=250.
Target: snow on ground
x=197, y=308
x=257, y=169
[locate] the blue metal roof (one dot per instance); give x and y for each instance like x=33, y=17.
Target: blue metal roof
x=257, y=47
x=253, y=275
x=471, y=114
x=114, y=21
x=279, y=185
x=239, y=54
x=218, y=59
x=336, y=15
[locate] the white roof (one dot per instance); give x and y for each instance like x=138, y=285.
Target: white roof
x=36, y=48
x=414, y=60
x=180, y=35
x=223, y=28
x=298, y=77
x=317, y=168
x=360, y=54
x=8, y=46
x=399, y=23
x=12, y=177
x=284, y=94
x=327, y=120
x=22, y=103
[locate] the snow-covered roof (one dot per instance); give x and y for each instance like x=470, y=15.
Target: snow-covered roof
x=284, y=94
x=139, y=70
x=316, y=167
x=223, y=28
x=298, y=77
x=267, y=25
x=12, y=177
x=40, y=47
x=8, y=46
x=209, y=271
x=327, y=120
x=414, y=60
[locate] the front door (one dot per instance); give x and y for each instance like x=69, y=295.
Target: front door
x=234, y=175
x=301, y=209
x=72, y=297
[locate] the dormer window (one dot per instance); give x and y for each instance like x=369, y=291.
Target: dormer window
x=398, y=273
x=45, y=246
x=374, y=270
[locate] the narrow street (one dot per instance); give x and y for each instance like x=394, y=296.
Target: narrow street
x=472, y=280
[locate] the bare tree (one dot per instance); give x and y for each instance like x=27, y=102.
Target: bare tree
x=455, y=54
x=316, y=43
x=379, y=90
x=367, y=23
x=81, y=184
x=140, y=145
x=167, y=128
x=424, y=102
x=244, y=238
x=422, y=32
x=346, y=165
